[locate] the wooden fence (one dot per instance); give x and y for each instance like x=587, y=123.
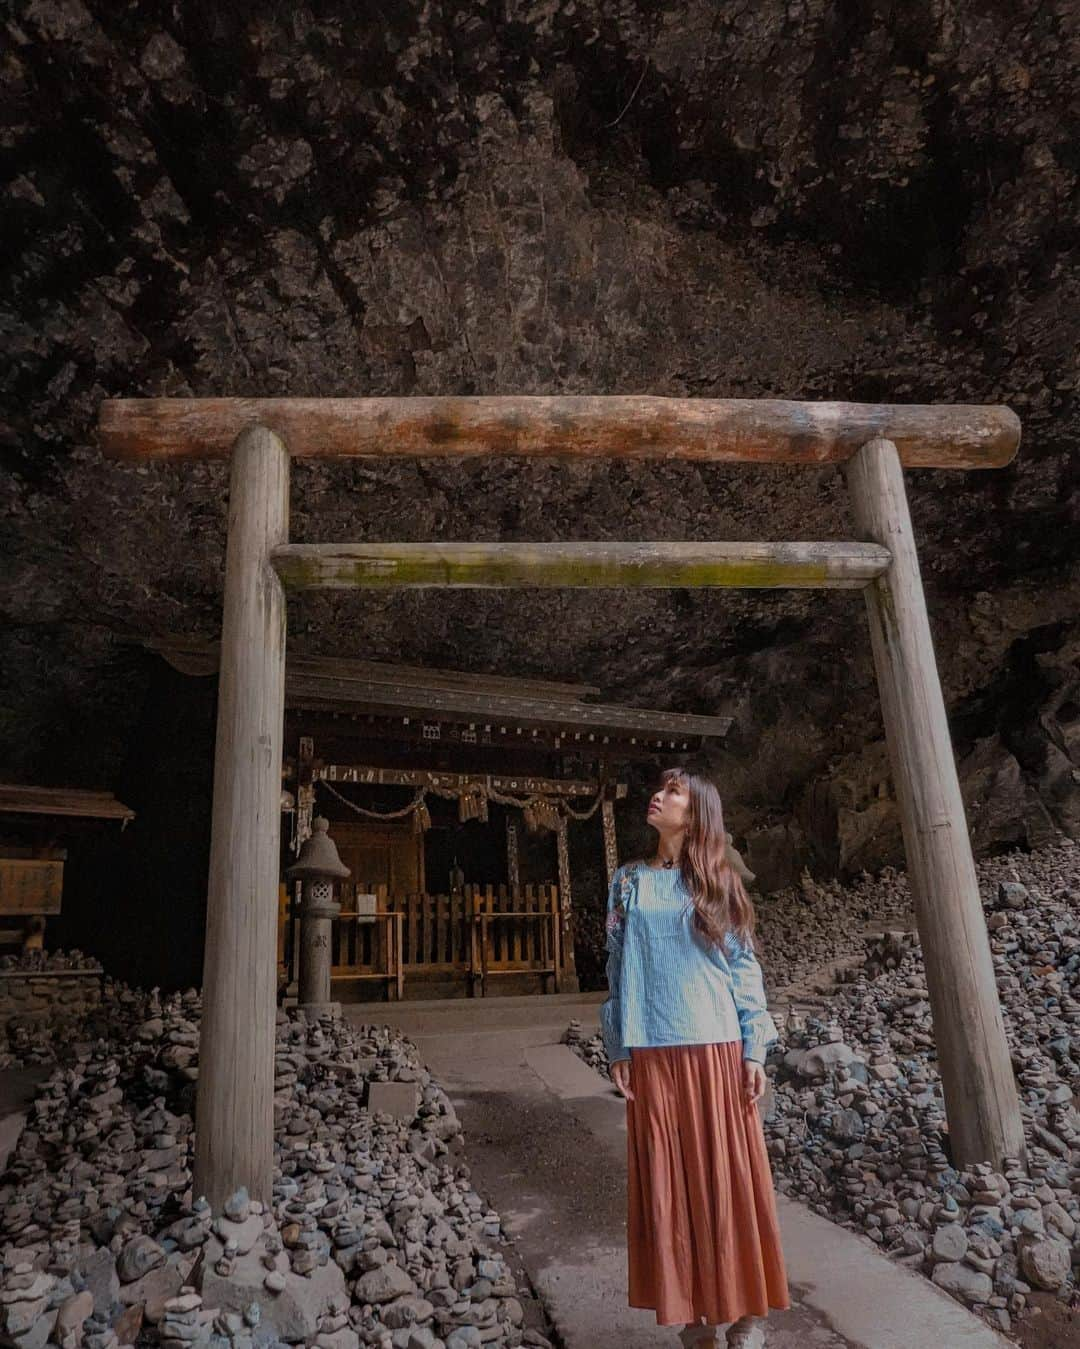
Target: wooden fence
x=475, y=934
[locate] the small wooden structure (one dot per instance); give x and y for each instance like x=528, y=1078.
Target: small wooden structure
x=32, y=872
x=234, y=1144
x=77, y=802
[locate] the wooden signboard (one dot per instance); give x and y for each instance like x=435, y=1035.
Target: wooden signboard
x=30, y=885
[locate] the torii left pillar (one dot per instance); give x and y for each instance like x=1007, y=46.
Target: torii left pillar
x=234, y=1120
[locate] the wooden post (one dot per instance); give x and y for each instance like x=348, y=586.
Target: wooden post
x=562, y=844
x=611, y=847
x=513, y=866
x=556, y=941
x=399, y=959
x=566, y=903
x=472, y=914
x=234, y=1131
x=305, y=790
x=973, y=1056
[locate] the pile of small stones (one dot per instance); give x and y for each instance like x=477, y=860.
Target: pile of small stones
x=855, y=1118
x=47, y=962
x=373, y=1234
x=816, y=922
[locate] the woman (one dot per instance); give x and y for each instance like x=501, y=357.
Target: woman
x=686, y=1030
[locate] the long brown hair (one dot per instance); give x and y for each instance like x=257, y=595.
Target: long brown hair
x=721, y=903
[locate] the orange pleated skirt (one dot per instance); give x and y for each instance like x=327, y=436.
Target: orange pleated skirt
x=703, y=1238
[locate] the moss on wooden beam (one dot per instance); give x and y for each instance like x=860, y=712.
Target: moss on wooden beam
x=840, y=565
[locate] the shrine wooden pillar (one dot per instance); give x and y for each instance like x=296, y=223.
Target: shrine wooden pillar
x=611, y=846
x=568, y=982
x=513, y=855
x=981, y=1100
x=234, y=1119
x=305, y=790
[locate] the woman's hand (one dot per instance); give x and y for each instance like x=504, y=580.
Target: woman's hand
x=753, y=1080
x=620, y=1075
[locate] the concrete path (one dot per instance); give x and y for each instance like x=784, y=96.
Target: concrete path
x=18, y=1087
x=546, y=1140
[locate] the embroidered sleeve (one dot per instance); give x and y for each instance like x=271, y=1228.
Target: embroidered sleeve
x=756, y=1025
x=611, y=1010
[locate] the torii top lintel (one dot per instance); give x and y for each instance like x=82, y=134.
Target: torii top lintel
x=620, y=426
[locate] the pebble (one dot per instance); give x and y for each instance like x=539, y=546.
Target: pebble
x=238, y=1206
x=138, y=1257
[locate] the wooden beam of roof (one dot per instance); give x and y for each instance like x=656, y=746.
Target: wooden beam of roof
x=457, y=704
x=199, y=657
x=324, y=720
x=521, y=783
x=632, y=426
x=385, y=671
x=334, y=684
x=26, y=800
x=336, y=566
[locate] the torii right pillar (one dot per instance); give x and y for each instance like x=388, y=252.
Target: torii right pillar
x=981, y=1101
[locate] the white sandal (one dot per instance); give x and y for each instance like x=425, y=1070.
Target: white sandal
x=700, y=1336
x=747, y=1333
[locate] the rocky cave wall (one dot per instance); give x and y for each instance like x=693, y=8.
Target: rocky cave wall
x=797, y=198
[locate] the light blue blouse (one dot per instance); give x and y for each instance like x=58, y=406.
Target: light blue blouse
x=667, y=985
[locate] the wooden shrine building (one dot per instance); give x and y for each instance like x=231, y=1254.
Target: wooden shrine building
x=34, y=825
x=451, y=798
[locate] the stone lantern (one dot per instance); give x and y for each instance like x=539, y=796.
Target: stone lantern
x=318, y=867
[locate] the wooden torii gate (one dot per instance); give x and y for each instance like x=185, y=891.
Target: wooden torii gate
x=234, y=1126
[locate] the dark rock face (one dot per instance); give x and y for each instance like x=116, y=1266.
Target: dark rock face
x=805, y=199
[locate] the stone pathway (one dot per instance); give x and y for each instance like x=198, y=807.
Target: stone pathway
x=18, y=1087
x=546, y=1138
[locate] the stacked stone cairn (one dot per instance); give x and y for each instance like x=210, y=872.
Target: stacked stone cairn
x=855, y=1118
x=48, y=962
x=373, y=1234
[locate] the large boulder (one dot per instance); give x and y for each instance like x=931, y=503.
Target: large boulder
x=292, y=1304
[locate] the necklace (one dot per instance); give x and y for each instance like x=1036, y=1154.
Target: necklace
x=668, y=862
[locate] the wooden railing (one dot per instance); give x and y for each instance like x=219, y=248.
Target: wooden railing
x=384, y=934
x=475, y=934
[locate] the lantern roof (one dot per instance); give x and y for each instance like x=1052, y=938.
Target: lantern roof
x=318, y=856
